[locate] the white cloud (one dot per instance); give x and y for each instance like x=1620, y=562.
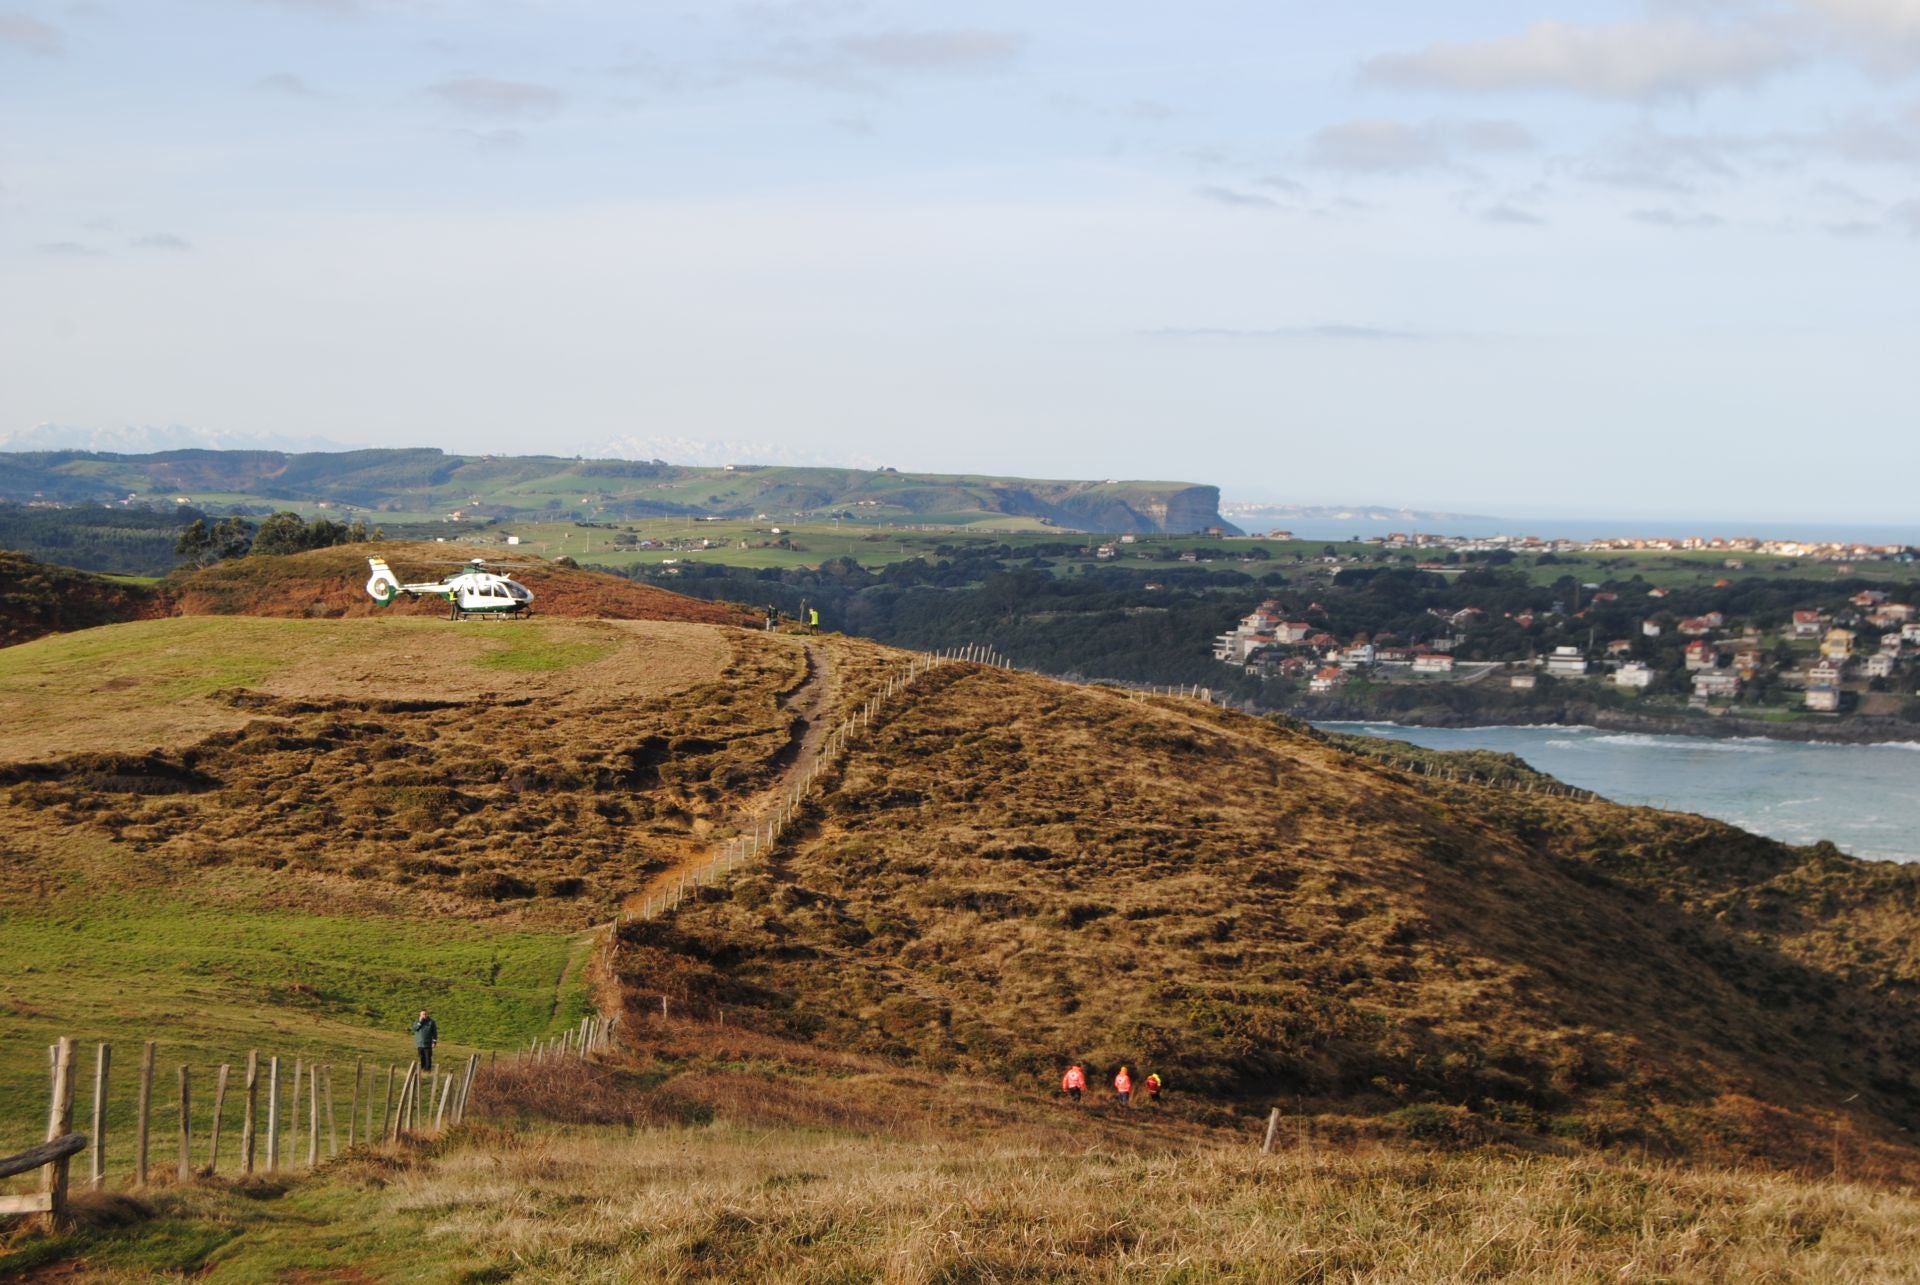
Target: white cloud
x=1678, y=220
x=1883, y=34
x=483, y=96
x=1660, y=57
x=1512, y=215
x=285, y=82
x=1377, y=145
x=29, y=33
x=1228, y=196
x=934, y=50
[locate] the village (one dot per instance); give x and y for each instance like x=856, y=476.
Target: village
x=1824, y=662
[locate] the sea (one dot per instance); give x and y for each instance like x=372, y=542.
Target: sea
x=1334, y=529
x=1864, y=798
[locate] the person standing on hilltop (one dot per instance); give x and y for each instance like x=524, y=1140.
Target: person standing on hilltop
x=1153, y=1087
x=1074, y=1082
x=1123, y=1087
x=426, y=1034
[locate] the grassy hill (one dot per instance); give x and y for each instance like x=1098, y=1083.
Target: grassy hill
x=37, y=599
x=1016, y=874
x=1515, y=1035
x=426, y=484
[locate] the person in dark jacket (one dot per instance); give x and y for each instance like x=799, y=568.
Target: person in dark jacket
x=426, y=1034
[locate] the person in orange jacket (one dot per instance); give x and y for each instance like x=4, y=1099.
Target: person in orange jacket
x=1153, y=1087
x=1123, y=1087
x=1074, y=1082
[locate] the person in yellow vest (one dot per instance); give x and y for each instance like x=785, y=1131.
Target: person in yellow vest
x=1123, y=1087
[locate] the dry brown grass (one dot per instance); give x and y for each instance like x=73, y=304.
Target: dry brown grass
x=545, y=767
x=743, y=1203
x=1013, y=874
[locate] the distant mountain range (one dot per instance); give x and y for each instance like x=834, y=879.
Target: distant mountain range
x=144, y=439
x=1256, y=514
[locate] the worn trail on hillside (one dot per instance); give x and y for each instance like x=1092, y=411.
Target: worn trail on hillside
x=810, y=702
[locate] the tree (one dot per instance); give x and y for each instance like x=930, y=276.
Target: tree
x=282, y=533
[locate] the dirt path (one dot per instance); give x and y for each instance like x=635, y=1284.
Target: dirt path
x=810, y=702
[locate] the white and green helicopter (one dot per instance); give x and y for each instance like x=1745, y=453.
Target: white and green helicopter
x=475, y=591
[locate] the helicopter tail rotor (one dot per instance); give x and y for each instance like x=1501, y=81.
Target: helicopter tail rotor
x=383, y=586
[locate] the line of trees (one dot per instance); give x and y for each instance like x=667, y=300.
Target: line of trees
x=235, y=537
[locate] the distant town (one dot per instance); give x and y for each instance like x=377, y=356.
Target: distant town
x=1747, y=649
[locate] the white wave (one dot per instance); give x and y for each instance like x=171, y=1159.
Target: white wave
x=1649, y=740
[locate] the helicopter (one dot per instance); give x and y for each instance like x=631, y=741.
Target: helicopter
x=475, y=591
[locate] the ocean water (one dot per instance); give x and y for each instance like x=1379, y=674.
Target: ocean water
x=1865, y=798
x=1558, y=528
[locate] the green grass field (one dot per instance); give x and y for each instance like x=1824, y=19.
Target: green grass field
x=209, y=981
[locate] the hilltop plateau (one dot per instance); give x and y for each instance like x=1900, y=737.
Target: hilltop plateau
x=226, y=829
x=426, y=483
x=38, y=599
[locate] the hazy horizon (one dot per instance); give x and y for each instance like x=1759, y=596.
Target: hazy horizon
x=1599, y=255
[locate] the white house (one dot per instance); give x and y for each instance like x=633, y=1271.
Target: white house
x=1567, y=661
x=1432, y=662
x=1633, y=674
x=1709, y=683
x=1880, y=665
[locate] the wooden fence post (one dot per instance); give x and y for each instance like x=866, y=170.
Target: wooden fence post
x=219, y=1107
x=293, y=1115
x=386, y=1110
x=102, y=1064
x=1273, y=1123
x=145, y=1120
x=313, y=1116
x=353, y=1105
x=53, y=1179
x=186, y=1124
x=333, y=1134
x=273, y=1114
x=247, y=1121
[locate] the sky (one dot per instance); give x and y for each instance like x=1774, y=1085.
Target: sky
x=1584, y=257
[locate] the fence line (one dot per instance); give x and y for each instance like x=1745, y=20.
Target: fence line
x=54, y=1156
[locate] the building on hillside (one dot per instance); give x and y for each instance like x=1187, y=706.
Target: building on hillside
x=1868, y=598
x=1910, y=633
x=1620, y=647
x=1633, y=674
x=1393, y=655
x=1823, y=686
x=1567, y=662
x=1808, y=624
x=1700, y=626
x=1649, y=629
x=1432, y=662
x=1749, y=661
x=1712, y=684
x=1891, y=615
x=1837, y=644
x=1359, y=654
x=1701, y=655
x=1325, y=680
x=1523, y=682
x=1881, y=664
